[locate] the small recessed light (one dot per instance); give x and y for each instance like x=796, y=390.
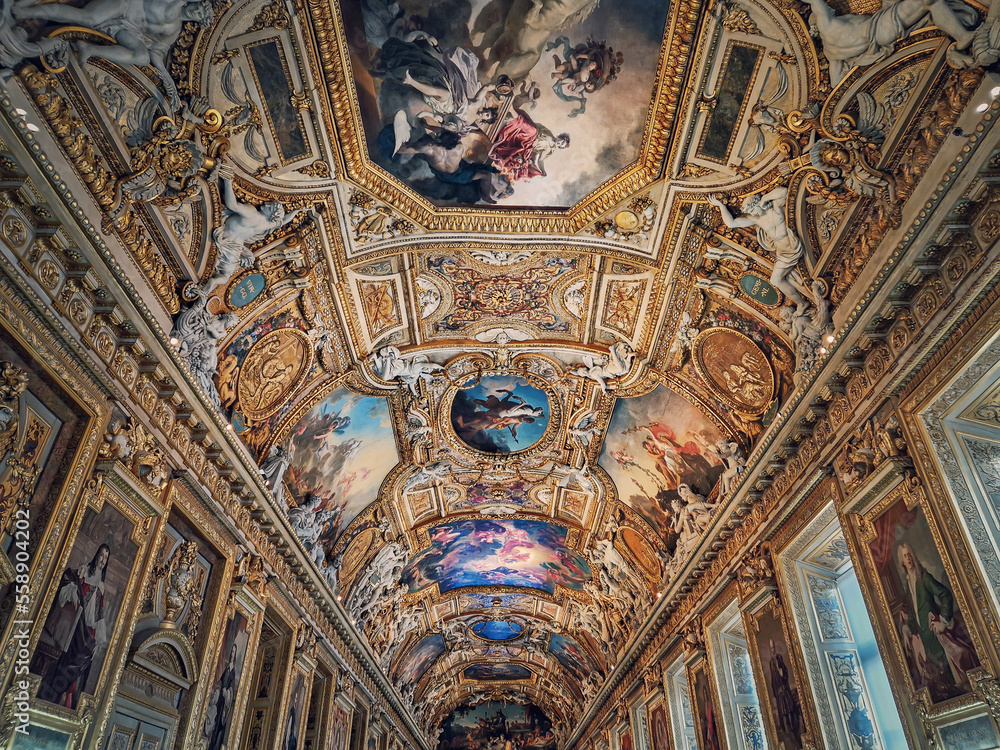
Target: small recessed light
x=21, y=112
x=995, y=92
x=174, y=341
x=982, y=107
x=829, y=338
x=32, y=127
x=822, y=350
x=229, y=427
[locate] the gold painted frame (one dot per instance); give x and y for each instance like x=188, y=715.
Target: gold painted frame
x=327, y=25
x=114, y=489
x=245, y=603
x=751, y=621
x=860, y=532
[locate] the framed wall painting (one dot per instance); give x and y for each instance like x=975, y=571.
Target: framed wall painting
x=340, y=727
x=920, y=610
x=707, y=721
x=295, y=716
x=41, y=738
x=226, y=697
x=785, y=699
x=659, y=728
x=89, y=608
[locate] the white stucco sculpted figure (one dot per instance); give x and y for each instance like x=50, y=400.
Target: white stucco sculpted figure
x=732, y=457
x=691, y=517
x=309, y=522
x=244, y=225
x=273, y=470
x=144, y=30
x=605, y=555
x=806, y=329
x=590, y=685
x=435, y=473
x=853, y=39
x=418, y=426
x=617, y=363
x=767, y=213
x=585, y=429
x=380, y=583
x=410, y=621
x=388, y=364
x=199, y=333
x=15, y=47
x=577, y=478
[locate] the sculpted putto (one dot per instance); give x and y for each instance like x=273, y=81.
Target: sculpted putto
x=617, y=363
x=388, y=364
x=144, y=30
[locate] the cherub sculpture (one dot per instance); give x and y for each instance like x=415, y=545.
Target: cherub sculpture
x=388, y=364
x=617, y=363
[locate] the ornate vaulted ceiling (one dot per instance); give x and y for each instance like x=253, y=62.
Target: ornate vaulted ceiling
x=501, y=296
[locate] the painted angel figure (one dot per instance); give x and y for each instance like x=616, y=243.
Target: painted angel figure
x=143, y=30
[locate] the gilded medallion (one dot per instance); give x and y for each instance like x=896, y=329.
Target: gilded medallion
x=641, y=550
x=735, y=369
x=273, y=369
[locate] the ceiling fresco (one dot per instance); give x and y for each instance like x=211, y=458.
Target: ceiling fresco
x=509, y=103
x=500, y=296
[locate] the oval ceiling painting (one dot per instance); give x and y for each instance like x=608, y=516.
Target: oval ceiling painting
x=505, y=103
x=497, y=630
x=500, y=414
x=509, y=552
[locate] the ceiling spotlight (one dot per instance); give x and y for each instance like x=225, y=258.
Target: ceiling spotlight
x=982, y=107
x=822, y=350
x=659, y=594
x=229, y=427
x=174, y=341
x=21, y=112
x=32, y=127
x=829, y=338
x=340, y=598
x=995, y=92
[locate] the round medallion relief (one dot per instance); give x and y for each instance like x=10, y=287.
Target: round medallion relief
x=735, y=368
x=272, y=370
